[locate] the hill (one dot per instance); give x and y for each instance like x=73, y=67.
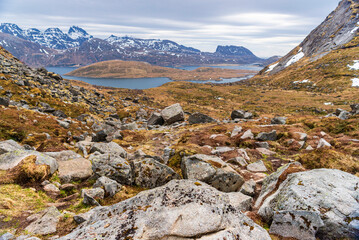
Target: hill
x=128, y=69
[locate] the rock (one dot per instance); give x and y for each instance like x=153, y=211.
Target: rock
x=309, y=148
x=264, y=136
x=257, y=167
x=262, y=145
x=300, y=136
x=249, y=188
x=238, y=161
x=68, y=187
x=266, y=151
x=355, y=109
x=344, y=115
x=323, y=143
x=59, y=113
x=112, y=166
x=4, y=101
x=112, y=148
x=279, y=120
x=182, y=209
x=155, y=119
x=296, y=224
x=212, y=170
x=330, y=193
x=11, y=159
x=52, y=190
x=172, y=114
x=74, y=170
x=237, y=130
x=241, y=114
x=7, y=236
x=149, y=173
x=100, y=136
x=64, y=124
x=97, y=193
x=110, y=186
x=45, y=222
x=63, y=155
x=130, y=126
x=247, y=135
x=197, y=118
x=9, y=146
x=141, y=113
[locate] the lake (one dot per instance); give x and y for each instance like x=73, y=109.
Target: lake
x=144, y=83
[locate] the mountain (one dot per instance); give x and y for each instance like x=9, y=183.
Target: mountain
x=77, y=47
x=323, y=60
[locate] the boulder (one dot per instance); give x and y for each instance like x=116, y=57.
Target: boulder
x=9, y=145
x=323, y=144
x=111, y=148
x=59, y=113
x=155, y=119
x=329, y=193
x=249, y=188
x=4, y=101
x=181, y=209
x=355, y=109
x=197, y=118
x=100, y=136
x=63, y=155
x=262, y=145
x=129, y=126
x=149, y=173
x=11, y=159
x=110, y=186
x=92, y=195
x=237, y=130
x=51, y=190
x=257, y=167
x=279, y=120
x=64, y=124
x=241, y=114
x=212, y=170
x=112, y=166
x=267, y=136
x=44, y=222
x=173, y=114
x=247, y=135
x=74, y=170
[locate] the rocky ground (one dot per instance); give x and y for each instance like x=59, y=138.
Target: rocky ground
x=82, y=162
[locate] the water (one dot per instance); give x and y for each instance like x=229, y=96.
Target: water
x=144, y=83
x=235, y=67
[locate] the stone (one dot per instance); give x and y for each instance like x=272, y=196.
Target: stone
x=7, y=236
x=247, y=135
x=300, y=136
x=330, y=193
x=238, y=161
x=344, y=115
x=296, y=224
x=237, y=130
x=267, y=136
x=9, y=146
x=266, y=151
x=212, y=170
x=44, y=222
x=141, y=113
x=355, y=109
x=74, y=170
x=182, y=209
x=149, y=173
x=197, y=118
x=323, y=144
x=309, y=148
x=100, y=136
x=129, y=126
x=279, y=121
x=59, y=113
x=249, y=188
x=173, y=114
x=63, y=155
x=97, y=193
x=257, y=167
x=4, y=101
x=262, y=145
x=241, y=114
x=64, y=124
x=155, y=119
x=11, y=159
x=112, y=148
x=52, y=190
x=110, y=186
x=112, y=166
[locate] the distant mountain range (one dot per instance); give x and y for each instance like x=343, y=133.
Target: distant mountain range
x=53, y=47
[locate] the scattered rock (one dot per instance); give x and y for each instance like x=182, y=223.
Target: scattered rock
x=4, y=101
x=112, y=148
x=264, y=136
x=92, y=195
x=257, y=167
x=9, y=146
x=241, y=114
x=247, y=135
x=249, y=188
x=52, y=190
x=172, y=114
x=110, y=186
x=237, y=130
x=155, y=119
x=323, y=143
x=44, y=222
x=63, y=155
x=262, y=145
x=197, y=118
x=64, y=124
x=279, y=120
x=74, y=170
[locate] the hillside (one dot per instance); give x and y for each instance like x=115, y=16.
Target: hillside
x=127, y=69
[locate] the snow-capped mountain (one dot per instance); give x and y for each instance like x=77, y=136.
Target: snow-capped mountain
x=51, y=38
x=53, y=47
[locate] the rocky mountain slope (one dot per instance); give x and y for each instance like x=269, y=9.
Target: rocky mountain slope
x=128, y=69
x=77, y=47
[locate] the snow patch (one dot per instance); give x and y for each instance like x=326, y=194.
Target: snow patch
x=328, y=104
x=355, y=65
x=304, y=81
x=355, y=82
x=295, y=58
x=271, y=67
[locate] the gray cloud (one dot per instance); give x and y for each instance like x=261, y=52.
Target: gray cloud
x=266, y=27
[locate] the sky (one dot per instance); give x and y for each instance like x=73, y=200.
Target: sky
x=266, y=27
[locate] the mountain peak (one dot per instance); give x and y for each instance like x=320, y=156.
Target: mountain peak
x=234, y=50
x=79, y=34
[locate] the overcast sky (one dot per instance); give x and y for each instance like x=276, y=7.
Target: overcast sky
x=267, y=27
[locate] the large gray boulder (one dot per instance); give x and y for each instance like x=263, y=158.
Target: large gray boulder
x=9, y=145
x=74, y=170
x=112, y=166
x=267, y=136
x=197, y=118
x=241, y=114
x=172, y=114
x=63, y=155
x=181, y=209
x=212, y=170
x=149, y=173
x=112, y=148
x=331, y=194
x=44, y=222
x=12, y=159
x=111, y=187
x=155, y=119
